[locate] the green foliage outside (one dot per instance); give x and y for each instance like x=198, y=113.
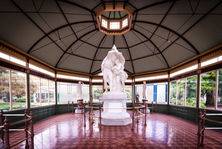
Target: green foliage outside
x=18, y=87
x=173, y=92
x=97, y=93
x=208, y=85
x=183, y=91
x=191, y=91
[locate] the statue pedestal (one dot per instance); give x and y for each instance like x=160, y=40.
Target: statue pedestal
x=114, y=109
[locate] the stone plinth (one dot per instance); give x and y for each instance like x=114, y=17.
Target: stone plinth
x=114, y=109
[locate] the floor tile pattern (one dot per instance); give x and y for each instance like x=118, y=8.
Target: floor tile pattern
x=162, y=132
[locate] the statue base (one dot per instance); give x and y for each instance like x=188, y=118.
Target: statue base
x=114, y=109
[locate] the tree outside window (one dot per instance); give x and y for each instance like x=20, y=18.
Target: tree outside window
x=208, y=92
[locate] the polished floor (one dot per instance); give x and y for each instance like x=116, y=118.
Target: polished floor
x=162, y=131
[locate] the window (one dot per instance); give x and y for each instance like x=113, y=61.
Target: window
x=185, y=70
x=85, y=92
x=41, y=70
x=157, y=92
x=42, y=91
x=18, y=88
x=104, y=23
x=154, y=92
x=97, y=91
x=150, y=92
x=151, y=78
x=17, y=61
x=12, y=59
x=4, y=89
x=66, y=92
x=15, y=82
x=161, y=92
x=76, y=78
x=183, y=91
x=114, y=25
x=128, y=90
x=208, y=85
x=211, y=61
x=208, y=90
x=4, y=56
x=191, y=91
x=125, y=23
x=97, y=80
x=139, y=91
x=219, y=98
x=173, y=92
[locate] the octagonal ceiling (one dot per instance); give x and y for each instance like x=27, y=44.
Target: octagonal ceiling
x=64, y=33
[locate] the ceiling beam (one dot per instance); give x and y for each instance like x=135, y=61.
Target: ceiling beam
x=153, y=4
x=114, y=39
x=100, y=3
x=169, y=29
x=129, y=54
x=97, y=49
x=78, y=5
x=166, y=39
x=30, y=19
x=60, y=58
x=67, y=21
x=199, y=20
x=167, y=64
x=54, y=30
x=164, y=17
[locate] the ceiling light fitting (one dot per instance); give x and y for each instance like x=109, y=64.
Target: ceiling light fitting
x=114, y=18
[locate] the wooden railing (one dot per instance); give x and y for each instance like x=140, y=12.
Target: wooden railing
x=138, y=111
x=28, y=129
x=202, y=119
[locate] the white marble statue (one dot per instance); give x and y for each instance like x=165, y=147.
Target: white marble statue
x=79, y=90
x=114, y=100
x=112, y=68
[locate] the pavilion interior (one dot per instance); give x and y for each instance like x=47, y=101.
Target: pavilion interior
x=173, y=58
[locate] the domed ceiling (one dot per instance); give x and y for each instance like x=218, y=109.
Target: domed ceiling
x=64, y=33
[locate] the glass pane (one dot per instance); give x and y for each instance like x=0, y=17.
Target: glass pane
x=85, y=93
x=173, y=92
x=181, y=92
x=128, y=90
x=114, y=25
x=125, y=23
x=139, y=92
x=191, y=91
x=104, y=23
x=67, y=92
x=42, y=91
x=18, y=88
x=219, y=98
x=208, y=84
x=97, y=91
x=51, y=95
x=34, y=90
x=149, y=92
x=4, y=89
x=162, y=93
x=62, y=93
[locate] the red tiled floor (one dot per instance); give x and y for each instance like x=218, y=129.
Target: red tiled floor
x=162, y=131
